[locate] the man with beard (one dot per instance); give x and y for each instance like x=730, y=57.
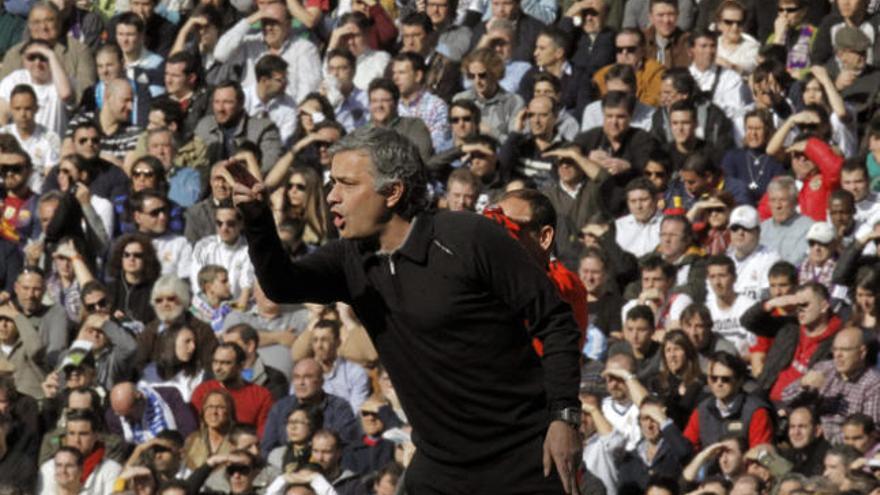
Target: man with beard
x=228, y=126
x=169, y=299
x=114, y=121
x=252, y=402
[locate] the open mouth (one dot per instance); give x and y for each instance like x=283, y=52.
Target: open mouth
x=338, y=221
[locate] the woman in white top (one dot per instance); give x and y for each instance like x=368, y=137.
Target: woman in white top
x=736, y=50
x=177, y=364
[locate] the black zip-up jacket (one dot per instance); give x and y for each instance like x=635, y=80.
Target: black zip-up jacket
x=447, y=313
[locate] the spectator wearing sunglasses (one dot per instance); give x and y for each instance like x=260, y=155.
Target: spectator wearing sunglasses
x=629, y=46
x=150, y=210
x=42, y=144
x=729, y=409
x=20, y=203
x=44, y=72
x=227, y=248
x=133, y=268
x=108, y=180
x=497, y=106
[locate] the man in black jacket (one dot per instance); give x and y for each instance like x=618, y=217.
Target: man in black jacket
x=808, y=446
x=457, y=348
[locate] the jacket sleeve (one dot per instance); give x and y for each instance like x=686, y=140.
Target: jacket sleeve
x=679, y=446
x=760, y=322
x=318, y=277
x=849, y=263
x=829, y=163
x=231, y=40
x=532, y=296
x=124, y=344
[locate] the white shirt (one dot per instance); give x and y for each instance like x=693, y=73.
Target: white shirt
x=51, y=113
x=301, y=55
x=175, y=254
x=624, y=419
x=725, y=322
x=370, y=65
x=744, y=55
x=100, y=482
x=636, y=237
x=751, y=271
x=281, y=110
x=44, y=148
x=211, y=250
x=593, y=117
x=104, y=208
x=730, y=93
x=867, y=208
x=600, y=457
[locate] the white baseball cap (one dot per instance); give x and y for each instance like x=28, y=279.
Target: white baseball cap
x=821, y=232
x=745, y=216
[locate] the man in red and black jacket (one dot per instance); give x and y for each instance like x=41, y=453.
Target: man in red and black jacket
x=530, y=218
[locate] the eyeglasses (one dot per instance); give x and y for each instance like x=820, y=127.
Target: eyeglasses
x=726, y=379
x=789, y=10
x=99, y=304
x=228, y=223
x=627, y=49
x=165, y=299
x=162, y=210
x=590, y=12
x=458, y=120
x=36, y=57
x=242, y=469
x=732, y=22
x=132, y=254
x=146, y=174
x=93, y=140
x=297, y=185
x=478, y=75
x=11, y=169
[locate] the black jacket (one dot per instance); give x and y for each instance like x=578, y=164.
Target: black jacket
x=588, y=55
x=670, y=458
x=438, y=310
x=785, y=332
x=808, y=461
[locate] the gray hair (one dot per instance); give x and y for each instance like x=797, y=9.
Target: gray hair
x=395, y=159
x=786, y=183
x=171, y=284
x=791, y=476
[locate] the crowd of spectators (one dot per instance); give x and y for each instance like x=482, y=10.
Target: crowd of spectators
x=709, y=170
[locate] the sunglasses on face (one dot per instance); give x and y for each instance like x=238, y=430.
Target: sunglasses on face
x=726, y=379
x=732, y=22
x=36, y=57
x=298, y=186
x=738, y=228
x=143, y=174
x=369, y=414
x=93, y=140
x=242, y=469
x=130, y=254
x=816, y=243
x=11, y=169
x=627, y=49
x=99, y=304
x=157, y=211
x=478, y=75
x=458, y=120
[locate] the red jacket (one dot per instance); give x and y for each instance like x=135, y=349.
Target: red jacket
x=813, y=198
x=252, y=402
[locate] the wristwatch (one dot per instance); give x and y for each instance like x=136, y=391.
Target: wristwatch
x=570, y=415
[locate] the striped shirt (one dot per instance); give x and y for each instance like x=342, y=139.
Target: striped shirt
x=117, y=144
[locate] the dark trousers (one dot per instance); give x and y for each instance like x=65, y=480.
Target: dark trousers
x=520, y=471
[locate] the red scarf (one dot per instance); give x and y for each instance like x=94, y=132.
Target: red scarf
x=91, y=462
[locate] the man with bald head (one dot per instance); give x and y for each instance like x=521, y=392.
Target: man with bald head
x=118, y=136
x=841, y=386
x=138, y=413
x=308, y=382
x=277, y=37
